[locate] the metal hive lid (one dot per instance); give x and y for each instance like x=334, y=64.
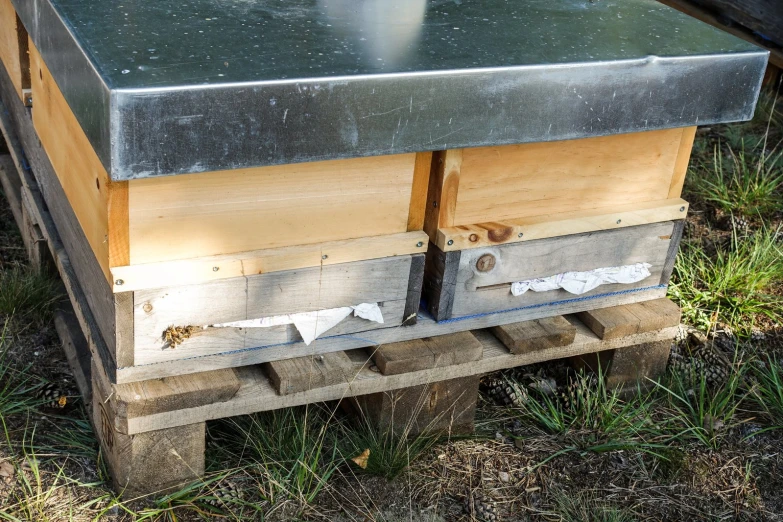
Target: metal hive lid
x=170, y=87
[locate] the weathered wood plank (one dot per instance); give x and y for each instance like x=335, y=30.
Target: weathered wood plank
x=258, y=394
x=429, y=352
x=415, y=284
x=12, y=187
x=76, y=351
x=440, y=407
x=481, y=290
x=212, y=268
x=620, y=321
x=674, y=248
x=526, y=336
x=305, y=373
x=425, y=327
x=440, y=281
x=266, y=295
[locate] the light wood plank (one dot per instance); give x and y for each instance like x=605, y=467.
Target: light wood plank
x=619, y=321
x=554, y=225
x=528, y=180
x=257, y=393
x=421, y=180
x=681, y=165
x=225, y=212
x=442, y=191
x=213, y=268
x=528, y=336
x=79, y=171
x=13, y=48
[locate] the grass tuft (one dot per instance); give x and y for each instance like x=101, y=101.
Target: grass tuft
x=732, y=286
x=746, y=184
x=768, y=391
x=26, y=293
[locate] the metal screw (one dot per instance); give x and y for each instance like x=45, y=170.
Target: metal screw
x=119, y=282
x=451, y=242
x=619, y=221
x=324, y=256
x=29, y=100
x=682, y=209
x=420, y=244
x=215, y=268
x=520, y=234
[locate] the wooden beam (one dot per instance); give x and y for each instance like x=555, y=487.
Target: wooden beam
x=527, y=336
x=421, y=181
x=620, y=321
x=430, y=352
x=214, y=268
x=257, y=393
x=442, y=192
x=554, y=225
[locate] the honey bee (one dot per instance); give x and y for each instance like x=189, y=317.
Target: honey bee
x=173, y=336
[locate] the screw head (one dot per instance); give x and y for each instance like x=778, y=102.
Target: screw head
x=682, y=209
x=420, y=244
x=119, y=282
x=485, y=263
x=450, y=242
x=324, y=256
x=215, y=268
x=619, y=221
x=520, y=234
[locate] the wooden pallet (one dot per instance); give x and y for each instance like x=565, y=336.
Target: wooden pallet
x=153, y=432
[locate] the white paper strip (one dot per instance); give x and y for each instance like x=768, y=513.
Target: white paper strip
x=582, y=282
x=311, y=325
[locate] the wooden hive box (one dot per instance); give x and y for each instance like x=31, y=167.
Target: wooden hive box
x=181, y=253
x=500, y=215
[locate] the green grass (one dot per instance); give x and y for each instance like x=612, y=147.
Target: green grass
x=700, y=412
x=572, y=507
x=768, y=391
x=26, y=293
x=291, y=452
x=739, y=182
x=732, y=286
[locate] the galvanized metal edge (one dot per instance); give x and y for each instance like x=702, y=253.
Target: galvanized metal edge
x=155, y=132
x=82, y=86
x=310, y=120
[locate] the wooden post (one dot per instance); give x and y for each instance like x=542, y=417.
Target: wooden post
x=444, y=406
x=150, y=462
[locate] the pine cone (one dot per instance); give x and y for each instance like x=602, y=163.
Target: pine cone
x=223, y=494
x=740, y=223
x=504, y=392
x=577, y=389
x=479, y=507
x=52, y=395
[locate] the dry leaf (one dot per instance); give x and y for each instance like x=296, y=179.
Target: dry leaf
x=7, y=471
x=362, y=459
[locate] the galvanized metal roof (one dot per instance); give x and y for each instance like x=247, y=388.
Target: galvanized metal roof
x=181, y=86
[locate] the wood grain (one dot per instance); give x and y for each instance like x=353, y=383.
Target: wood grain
x=519, y=181
x=429, y=352
x=681, y=165
x=79, y=171
x=553, y=225
x=421, y=181
x=13, y=48
x=424, y=327
x=538, y=334
x=211, y=213
x=305, y=373
x=214, y=268
x=618, y=321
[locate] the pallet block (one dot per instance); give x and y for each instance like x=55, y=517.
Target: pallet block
x=636, y=365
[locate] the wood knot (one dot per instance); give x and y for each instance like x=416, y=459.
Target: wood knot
x=500, y=235
x=147, y=307
x=176, y=335
x=485, y=263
